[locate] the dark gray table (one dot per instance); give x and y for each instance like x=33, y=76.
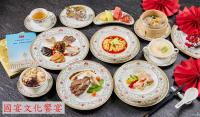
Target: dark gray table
x=12, y=14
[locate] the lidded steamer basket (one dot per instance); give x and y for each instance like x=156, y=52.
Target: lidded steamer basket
x=153, y=32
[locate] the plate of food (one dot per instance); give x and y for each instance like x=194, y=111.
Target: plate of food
x=84, y=85
x=58, y=47
x=152, y=24
x=114, y=44
x=113, y=16
x=141, y=84
x=77, y=16
x=180, y=40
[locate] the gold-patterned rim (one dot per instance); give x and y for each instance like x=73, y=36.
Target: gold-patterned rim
x=161, y=97
x=108, y=59
x=182, y=49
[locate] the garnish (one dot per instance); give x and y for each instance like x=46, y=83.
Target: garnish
x=164, y=49
x=95, y=87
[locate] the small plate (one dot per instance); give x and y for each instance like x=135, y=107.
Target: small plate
x=179, y=39
x=39, y=93
x=142, y=36
x=32, y=26
x=133, y=44
x=73, y=23
x=59, y=32
x=84, y=101
x=97, y=22
x=159, y=62
x=141, y=98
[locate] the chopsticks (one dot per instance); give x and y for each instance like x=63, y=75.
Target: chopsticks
x=168, y=98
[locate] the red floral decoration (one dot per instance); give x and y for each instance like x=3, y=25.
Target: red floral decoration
x=169, y=7
x=188, y=20
x=188, y=72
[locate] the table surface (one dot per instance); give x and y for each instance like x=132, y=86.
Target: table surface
x=12, y=15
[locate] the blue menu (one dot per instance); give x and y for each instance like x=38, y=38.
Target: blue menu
x=18, y=45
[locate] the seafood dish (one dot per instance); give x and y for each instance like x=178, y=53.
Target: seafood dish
x=154, y=21
x=76, y=12
x=60, y=49
x=114, y=44
x=139, y=81
x=86, y=82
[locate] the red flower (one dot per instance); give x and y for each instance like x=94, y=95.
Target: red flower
x=169, y=7
x=188, y=72
x=188, y=20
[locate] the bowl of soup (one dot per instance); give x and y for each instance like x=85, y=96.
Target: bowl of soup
x=161, y=48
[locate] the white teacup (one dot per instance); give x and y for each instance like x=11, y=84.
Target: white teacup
x=161, y=58
x=43, y=21
x=37, y=89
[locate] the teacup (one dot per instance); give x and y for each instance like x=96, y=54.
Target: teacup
x=40, y=16
x=161, y=50
x=40, y=87
x=153, y=32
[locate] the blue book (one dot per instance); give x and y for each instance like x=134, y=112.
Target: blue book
x=18, y=45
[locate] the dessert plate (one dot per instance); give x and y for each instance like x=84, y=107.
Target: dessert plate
x=77, y=16
x=38, y=93
x=35, y=27
x=97, y=20
x=142, y=34
x=114, y=44
x=141, y=84
x=179, y=39
x=58, y=47
x=84, y=85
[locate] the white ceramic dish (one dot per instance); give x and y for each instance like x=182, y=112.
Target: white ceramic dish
x=73, y=23
x=84, y=101
x=133, y=44
x=179, y=39
x=31, y=25
x=59, y=32
x=38, y=93
x=144, y=98
x=99, y=22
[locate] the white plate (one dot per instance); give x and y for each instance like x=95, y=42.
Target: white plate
x=32, y=26
x=147, y=97
x=84, y=101
x=71, y=22
x=59, y=33
x=129, y=53
x=139, y=32
x=179, y=39
x=98, y=22
x=37, y=94
x=159, y=62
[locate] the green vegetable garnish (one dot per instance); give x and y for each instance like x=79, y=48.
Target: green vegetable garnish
x=164, y=49
x=115, y=41
x=131, y=79
x=95, y=88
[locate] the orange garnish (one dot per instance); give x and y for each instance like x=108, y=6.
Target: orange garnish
x=98, y=78
x=94, y=94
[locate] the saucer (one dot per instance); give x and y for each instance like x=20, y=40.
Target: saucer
x=32, y=26
x=73, y=23
x=142, y=36
x=158, y=62
x=39, y=93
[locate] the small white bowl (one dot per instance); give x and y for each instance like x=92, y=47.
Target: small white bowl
x=34, y=89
